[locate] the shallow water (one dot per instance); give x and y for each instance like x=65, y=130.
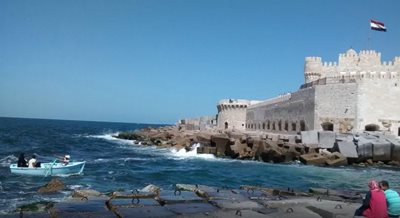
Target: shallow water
x=114, y=164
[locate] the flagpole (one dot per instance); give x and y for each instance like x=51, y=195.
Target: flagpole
x=369, y=39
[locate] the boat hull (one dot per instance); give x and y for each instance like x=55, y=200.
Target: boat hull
x=50, y=169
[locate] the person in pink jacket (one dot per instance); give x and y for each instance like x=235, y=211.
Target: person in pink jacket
x=374, y=204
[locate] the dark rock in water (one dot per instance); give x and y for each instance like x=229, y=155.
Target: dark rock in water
x=37, y=206
x=53, y=186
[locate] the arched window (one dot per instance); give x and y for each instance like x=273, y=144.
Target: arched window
x=371, y=127
x=327, y=126
x=302, y=126
x=226, y=125
x=293, y=126
x=286, y=125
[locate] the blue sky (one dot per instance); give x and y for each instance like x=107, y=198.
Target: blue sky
x=156, y=61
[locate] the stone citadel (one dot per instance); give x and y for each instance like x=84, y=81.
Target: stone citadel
x=357, y=93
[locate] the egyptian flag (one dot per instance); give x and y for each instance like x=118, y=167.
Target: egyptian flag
x=376, y=25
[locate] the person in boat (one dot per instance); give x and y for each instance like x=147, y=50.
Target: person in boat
x=22, y=161
x=32, y=162
x=66, y=159
x=392, y=199
x=374, y=204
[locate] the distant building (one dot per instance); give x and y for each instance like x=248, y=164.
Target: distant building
x=358, y=93
x=201, y=123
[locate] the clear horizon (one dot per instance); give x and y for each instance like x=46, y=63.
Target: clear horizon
x=156, y=62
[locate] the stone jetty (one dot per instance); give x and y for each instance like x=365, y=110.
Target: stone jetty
x=322, y=148
x=193, y=200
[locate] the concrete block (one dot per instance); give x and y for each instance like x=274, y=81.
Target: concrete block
x=382, y=150
x=81, y=206
x=337, y=159
x=174, y=197
x=326, y=139
x=309, y=137
x=236, y=204
x=292, y=139
x=191, y=208
x=364, y=148
x=144, y=212
x=226, y=194
x=313, y=159
x=395, y=146
x=221, y=143
x=347, y=148
x=395, y=150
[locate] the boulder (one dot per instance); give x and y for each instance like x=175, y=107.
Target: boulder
x=273, y=154
x=313, y=159
x=53, y=186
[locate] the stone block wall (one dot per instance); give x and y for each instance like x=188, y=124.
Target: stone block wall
x=291, y=115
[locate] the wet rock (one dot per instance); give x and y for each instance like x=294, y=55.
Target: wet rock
x=151, y=188
x=53, y=186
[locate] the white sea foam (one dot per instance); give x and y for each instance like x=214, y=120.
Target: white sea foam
x=174, y=153
x=6, y=161
x=192, y=153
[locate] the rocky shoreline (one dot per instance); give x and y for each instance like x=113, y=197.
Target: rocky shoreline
x=194, y=200
x=312, y=147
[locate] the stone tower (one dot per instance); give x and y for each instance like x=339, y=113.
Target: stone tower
x=312, y=69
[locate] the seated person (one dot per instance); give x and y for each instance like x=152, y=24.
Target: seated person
x=392, y=199
x=22, y=161
x=32, y=162
x=66, y=159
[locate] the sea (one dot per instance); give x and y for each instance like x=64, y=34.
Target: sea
x=121, y=165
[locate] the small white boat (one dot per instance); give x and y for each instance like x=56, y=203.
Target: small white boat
x=50, y=169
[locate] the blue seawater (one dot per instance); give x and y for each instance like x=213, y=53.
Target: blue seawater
x=114, y=164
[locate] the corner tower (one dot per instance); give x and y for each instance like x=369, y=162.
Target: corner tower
x=312, y=69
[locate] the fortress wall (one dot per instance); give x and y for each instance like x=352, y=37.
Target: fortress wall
x=291, y=115
x=378, y=103
x=336, y=107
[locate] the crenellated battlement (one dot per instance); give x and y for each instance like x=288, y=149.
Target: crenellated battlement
x=365, y=61
x=329, y=64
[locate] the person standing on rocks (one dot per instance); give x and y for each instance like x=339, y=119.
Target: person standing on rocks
x=392, y=199
x=374, y=204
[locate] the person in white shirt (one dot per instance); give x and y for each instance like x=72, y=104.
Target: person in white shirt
x=66, y=159
x=32, y=162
